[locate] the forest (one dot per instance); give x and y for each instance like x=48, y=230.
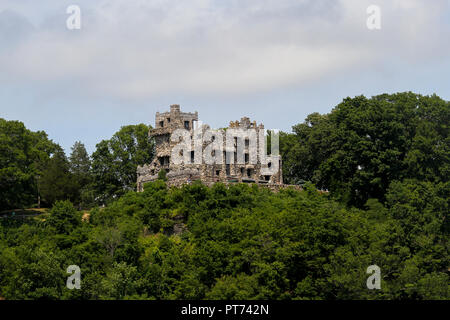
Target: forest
x=384, y=162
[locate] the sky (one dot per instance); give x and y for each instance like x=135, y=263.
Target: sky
x=275, y=61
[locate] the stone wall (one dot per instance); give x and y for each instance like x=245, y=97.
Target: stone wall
x=177, y=174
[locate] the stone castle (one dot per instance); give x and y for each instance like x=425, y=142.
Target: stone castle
x=227, y=171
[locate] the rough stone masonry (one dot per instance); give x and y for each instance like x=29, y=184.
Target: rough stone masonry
x=167, y=123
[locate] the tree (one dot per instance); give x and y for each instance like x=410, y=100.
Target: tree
x=56, y=181
x=120, y=281
x=110, y=238
x=80, y=163
x=364, y=144
x=21, y=150
x=115, y=161
x=64, y=217
x=80, y=169
x=304, y=150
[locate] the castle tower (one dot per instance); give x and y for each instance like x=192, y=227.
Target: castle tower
x=165, y=124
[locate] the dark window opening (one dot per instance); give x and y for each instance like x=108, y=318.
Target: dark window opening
x=246, y=158
x=192, y=156
x=164, y=161
x=269, y=164
x=168, y=120
x=249, y=173
x=267, y=178
x=227, y=168
x=217, y=172
x=161, y=124
x=247, y=142
x=242, y=171
x=186, y=125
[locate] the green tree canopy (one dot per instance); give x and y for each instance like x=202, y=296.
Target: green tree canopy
x=64, y=217
x=56, y=181
x=80, y=169
x=115, y=161
x=21, y=152
x=363, y=145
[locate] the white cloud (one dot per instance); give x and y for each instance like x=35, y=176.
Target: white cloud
x=137, y=49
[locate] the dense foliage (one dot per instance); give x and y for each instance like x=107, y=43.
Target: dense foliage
x=241, y=242
x=115, y=161
x=21, y=153
x=385, y=161
x=33, y=166
x=363, y=145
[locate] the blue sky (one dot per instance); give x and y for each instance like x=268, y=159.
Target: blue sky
x=274, y=61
